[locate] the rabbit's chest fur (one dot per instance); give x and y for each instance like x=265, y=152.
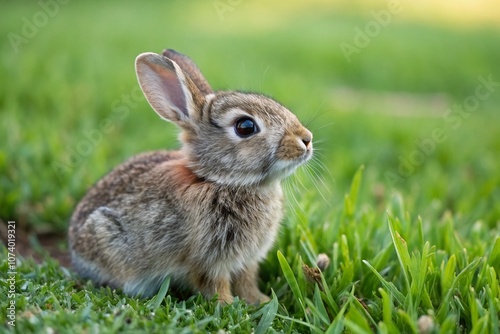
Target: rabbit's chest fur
x=233, y=227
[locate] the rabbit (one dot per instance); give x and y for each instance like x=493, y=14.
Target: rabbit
x=204, y=215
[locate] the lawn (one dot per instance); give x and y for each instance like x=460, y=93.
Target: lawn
x=403, y=194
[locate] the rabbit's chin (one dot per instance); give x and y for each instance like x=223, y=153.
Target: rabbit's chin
x=283, y=169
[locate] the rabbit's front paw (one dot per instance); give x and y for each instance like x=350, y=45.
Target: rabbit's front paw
x=245, y=286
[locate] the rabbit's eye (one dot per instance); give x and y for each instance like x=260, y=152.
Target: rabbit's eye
x=245, y=127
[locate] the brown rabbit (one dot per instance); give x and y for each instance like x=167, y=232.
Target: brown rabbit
x=205, y=215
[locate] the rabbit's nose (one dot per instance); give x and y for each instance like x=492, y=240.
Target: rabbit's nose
x=307, y=140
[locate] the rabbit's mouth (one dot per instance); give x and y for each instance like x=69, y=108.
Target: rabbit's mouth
x=307, y=155
x=281, y=169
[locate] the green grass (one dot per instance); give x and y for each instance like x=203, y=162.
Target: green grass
x=425, y=247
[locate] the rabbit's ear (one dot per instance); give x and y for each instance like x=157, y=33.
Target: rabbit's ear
x=190, y=68
x=168, y=90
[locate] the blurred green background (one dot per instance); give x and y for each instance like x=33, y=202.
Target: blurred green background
x=373, y=81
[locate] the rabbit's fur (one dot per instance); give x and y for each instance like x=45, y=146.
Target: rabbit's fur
x=205, y=215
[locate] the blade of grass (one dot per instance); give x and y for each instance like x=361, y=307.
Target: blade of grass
x=327, y=296
x=448, y=275
x=155, y=302
x=494, y=321
x=355, y=185
x=494, y=258
x=351, y=198
x=404, y=261
x=445, y=302
x=388, y=285
x=268, y=313
x=355, y=321
x=307, y=324
x=387, y=311
x=290, y=278
x=317, y=307
x=337, y=325
x=306, y=246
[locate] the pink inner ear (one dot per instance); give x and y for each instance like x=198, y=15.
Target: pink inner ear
x=172, y=88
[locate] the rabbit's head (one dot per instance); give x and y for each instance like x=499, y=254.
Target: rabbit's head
x=228, y=137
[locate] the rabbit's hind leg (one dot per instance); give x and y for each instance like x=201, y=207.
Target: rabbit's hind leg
x=100, y=248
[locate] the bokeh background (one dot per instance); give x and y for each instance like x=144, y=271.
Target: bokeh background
x=373, y=80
